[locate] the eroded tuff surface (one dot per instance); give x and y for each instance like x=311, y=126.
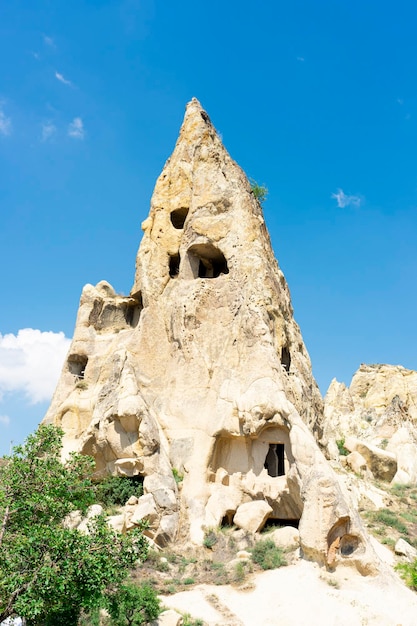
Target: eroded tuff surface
x=377, y=417
x=203, y=368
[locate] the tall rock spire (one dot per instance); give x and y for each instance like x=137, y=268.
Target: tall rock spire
x=203, y=368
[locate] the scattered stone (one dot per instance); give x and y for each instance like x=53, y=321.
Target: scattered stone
x=403, y=548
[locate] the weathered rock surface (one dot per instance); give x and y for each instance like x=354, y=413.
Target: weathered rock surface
x=379, y=409
x=202, y=369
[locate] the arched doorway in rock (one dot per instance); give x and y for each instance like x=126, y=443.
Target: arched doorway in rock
x=206, y=261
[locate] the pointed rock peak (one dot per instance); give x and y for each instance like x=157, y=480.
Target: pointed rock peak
x=194, y=110
x=196, y=128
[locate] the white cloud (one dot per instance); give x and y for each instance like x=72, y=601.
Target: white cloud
x=62, y=80
x=5, y=124
x=76, y=128
x=300, y=59
x=48, y=130
x=48, y=41
x=343, y=200
x=30, y=362
x=5, y=420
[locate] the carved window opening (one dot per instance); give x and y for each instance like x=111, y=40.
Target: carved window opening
x=285, y=358
x=207, y=261
x=174, y=265
x=133, y=310
x=275, y=460
x=178, y=217
x=77, y=364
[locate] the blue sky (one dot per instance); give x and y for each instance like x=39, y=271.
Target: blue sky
x=318, y=100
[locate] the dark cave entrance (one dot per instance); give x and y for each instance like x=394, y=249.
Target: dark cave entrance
x=285, y=358
x=174, y=265
x=178, y=217
x=275, y=460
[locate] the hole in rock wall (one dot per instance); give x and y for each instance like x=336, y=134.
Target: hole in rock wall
x=77, y=364
x=275, y=460
x=178, y=218
x=133, y=311
x=273, y=522
x=174, y=265
x=207, y=261
x=348, y=544
x=228, y=519
x=285, y=358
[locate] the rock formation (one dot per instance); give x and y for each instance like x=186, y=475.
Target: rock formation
x=377, y=418
x=203, y=370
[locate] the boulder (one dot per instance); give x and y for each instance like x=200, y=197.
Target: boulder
x=169, y=618
x=286, y=538
x=145, y=510
x=357, y=463
x=93, y=511
x=403, y=548
x=252, y=515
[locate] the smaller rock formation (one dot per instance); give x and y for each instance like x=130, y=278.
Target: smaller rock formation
x=377, y=417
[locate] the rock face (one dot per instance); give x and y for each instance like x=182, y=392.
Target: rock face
x=202, y=369
x=377, y=416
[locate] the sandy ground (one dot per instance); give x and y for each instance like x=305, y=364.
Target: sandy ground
x=303, y=594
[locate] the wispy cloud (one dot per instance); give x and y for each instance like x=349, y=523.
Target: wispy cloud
x=62, y=79
x=343, y=200
x=30, y=362
x=48, y=130
x=76, y=128
x=5, y=420
x=48, y=41
x=5, y=123
x=300, y=59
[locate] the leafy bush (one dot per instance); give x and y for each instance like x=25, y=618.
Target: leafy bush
x=177, y=476
x=341, y=447
x=210, y=538
x=266, y=554
x=408, y=572
x=116, y=490
x=133, y=605
x=187, y=620
x=239, y=572
x=259, y=191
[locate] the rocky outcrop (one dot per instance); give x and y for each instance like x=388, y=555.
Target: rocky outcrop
x=379, y=410
x=203, y=370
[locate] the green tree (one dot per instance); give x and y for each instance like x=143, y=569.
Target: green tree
x=133, y=605
x=49, y=573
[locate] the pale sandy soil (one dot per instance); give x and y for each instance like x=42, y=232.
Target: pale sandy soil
x=303, y=594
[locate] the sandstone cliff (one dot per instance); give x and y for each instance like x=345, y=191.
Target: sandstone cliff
x=202, y=369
